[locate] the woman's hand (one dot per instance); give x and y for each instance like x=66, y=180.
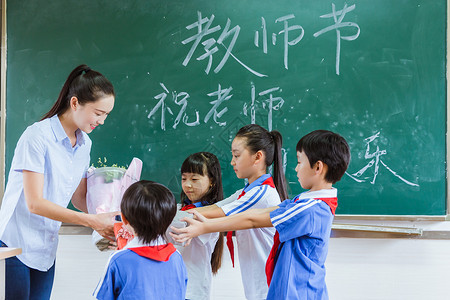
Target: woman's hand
x=194, y=228
x=104, y=224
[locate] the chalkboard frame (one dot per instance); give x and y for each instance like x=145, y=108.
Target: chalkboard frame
x=3, y=99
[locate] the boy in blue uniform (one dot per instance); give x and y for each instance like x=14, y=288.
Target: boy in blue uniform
x=295, y=267
x=147, y=267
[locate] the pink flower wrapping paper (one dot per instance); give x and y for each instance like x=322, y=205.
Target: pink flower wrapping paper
x=105, y=188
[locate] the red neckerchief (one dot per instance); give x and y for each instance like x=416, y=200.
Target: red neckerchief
x=272, y=259
x=188, y=206
x=230, y=245
x=159, y=253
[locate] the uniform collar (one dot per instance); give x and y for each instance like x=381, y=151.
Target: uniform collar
x=136, y=242
x=257, y=182
x=325, y=193
x=329, y=196
x=196, y=204
x=157, y=250
x=60, y=134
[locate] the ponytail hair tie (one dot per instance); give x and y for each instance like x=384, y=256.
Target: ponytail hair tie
x=272, y=135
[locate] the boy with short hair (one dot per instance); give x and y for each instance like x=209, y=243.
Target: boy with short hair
x=295, y=267
x=147, y=267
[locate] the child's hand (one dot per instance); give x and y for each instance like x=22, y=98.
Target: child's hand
x=194, y=228
x=198, y=216
x=176, y=237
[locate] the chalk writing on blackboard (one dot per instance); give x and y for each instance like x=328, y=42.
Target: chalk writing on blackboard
x=269, y=102
x=181, y=99
x=161, y=104
x=285, y=31
x=210, y=48
x=209, y=45
x=269, y=98
x=222, y=96
x=182, y=115
x=375, y=160
x=338, y=16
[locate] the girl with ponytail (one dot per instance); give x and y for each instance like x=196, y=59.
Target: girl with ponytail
x=254, y=150
x=295, y=268
x=48, y=171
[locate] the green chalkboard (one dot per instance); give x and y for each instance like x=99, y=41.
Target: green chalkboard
x=189, y=74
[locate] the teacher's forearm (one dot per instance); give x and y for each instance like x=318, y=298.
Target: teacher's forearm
x=48, y=209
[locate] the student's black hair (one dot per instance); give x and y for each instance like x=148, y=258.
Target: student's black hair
x=207, y=164
x=328, y=147
x=85, y=84
x=149, y=207
x=258, y=138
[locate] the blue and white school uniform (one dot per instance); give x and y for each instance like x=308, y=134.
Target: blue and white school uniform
x=304, y=227
x=44, y=148
x=144, y=271
x=197, y=258
x=254, y=244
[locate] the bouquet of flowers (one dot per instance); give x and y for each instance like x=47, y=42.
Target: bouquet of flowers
x=105, y=188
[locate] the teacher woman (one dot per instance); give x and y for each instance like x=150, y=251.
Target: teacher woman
x=47, y=171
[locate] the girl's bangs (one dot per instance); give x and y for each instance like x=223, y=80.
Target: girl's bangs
x=194, y=165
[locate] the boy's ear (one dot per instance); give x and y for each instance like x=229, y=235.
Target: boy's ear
x=320, y=168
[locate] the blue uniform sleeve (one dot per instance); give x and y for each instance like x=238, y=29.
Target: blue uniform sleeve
x=109, y=287
x=294, y=219
x=30, y=152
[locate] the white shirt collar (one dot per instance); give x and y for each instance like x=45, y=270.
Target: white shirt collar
x=60, y=134
x=136, y=242
x=325, y=193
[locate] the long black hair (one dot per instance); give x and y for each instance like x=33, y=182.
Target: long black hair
x=258, y=138
x=85, y=84
x=207, y=164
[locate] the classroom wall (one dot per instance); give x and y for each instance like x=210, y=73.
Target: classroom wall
x=412, y=269
x=388, y=269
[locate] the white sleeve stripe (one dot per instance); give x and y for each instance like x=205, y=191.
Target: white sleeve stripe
x=249, y=203
x=292, y=208
x=255, y=201
x=100, y=283
x=293, y=211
